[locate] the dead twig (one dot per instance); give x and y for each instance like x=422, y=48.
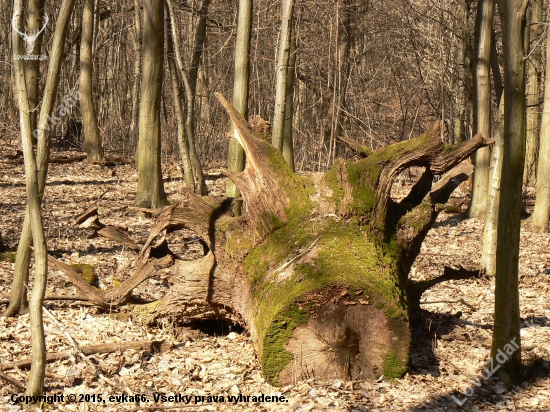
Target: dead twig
x=13, y=381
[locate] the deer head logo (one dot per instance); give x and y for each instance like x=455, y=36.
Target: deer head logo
x=29, y=39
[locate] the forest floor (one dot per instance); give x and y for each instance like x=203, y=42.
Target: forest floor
x=448, y=353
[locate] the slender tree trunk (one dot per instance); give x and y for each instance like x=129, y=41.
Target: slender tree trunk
x=541, y=214
x=150, y=191
x=18, y=295
x=137, y=73
x=35, y=23
x=288, y=143
x=92, y=137
x=507, y=321
x=200, y=40
x=178, y=107
x=241, y=86
x=464, y=79
x=35, y=176
x=534, y=66
x=482, y=105
x=287, y=10
x=35, y=384
x=495, y=68
x=488, y=257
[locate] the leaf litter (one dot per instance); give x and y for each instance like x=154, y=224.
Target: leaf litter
x=448, y=352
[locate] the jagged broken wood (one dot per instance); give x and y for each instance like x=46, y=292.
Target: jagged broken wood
x=317, y=268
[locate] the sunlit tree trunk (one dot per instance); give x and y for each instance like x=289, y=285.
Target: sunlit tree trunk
x=541, y=214
x=288, y=142
x=507, y=321
x=236, y=157
x=35, y=176
x=482, y=105
x=137, y=72
x=534, y=66
x=18, y=295
x=92, y=137
x=488, y=256
x=464, y=88
x=178, y=106
x=150, y=191
x=35, y=24
x=285, y=35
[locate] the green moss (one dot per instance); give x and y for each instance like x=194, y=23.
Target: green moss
x=393, y=366
x=86, y=271
x=418, y=218
x=275, y=357
x=7, y=257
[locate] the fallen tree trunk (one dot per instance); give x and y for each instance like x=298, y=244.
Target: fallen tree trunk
x=317, y=267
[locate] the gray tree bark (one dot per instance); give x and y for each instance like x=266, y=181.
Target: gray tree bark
x=18, y=295
x=287, y=10
x=92, y=137
x=178, y=106
x=482, y=105
x=534, y=66
x=507, y=322
x=541, y=214
x=150, y=191
x=241, y=86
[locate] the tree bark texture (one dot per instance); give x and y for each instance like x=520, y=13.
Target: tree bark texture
x=150, y=191
x=541, y=214
x=534, y=68
x=178, y=105
x=92, y=136
x=236, y=157
x=18, y=294
x=35, y=383
x=287, y=10
x=507, y=321
x=482, y=105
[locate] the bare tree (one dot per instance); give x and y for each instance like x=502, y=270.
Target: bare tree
x=507, y=321
x=241, y=86
x=150, y=191
x=541, y=214
x=534, y=68
x=482, y=104
x=35, y=181
x=287, y=10
x=178, y=106
x=92, y=137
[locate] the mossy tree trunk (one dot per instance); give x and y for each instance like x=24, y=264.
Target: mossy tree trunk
x=317, y=267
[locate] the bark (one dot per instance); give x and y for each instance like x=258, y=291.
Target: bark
x=236, y=157
x=534, y=67
x=18, y=297
x=137, y=72
x=287, y=10
x=507, y=316
x=190, y=118
x=150, y=191
x=35, y=24
x=35, y=383
x=539, y=220
x=288, y=143
x=200, y=39
x=178, y=106
x=464, y=88
x=482, y=105
x=92, y=138
x=274, y=270
x=490, y=229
